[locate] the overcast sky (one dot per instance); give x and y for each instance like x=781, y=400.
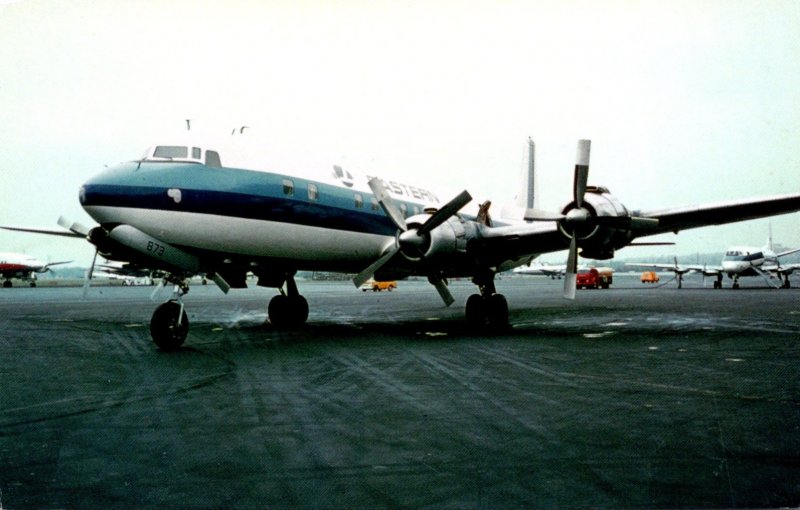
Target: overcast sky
x=685, y=102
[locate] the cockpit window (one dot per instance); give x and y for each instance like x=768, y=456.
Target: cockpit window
x=170, y=151
x=212, y=159
x=183, y=154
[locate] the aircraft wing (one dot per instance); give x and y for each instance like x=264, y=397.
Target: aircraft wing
x=47, y=231
x=787, y=252
x=499, y=245
x=666, y=267
x=682, y=218
x=783, y=269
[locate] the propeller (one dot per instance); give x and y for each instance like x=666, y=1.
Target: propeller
x=89, y=272
x=580, y=217
x=412, y=239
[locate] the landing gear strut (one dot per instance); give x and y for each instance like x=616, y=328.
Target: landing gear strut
x=289, y=308
x=170, y=324
x=488, y=307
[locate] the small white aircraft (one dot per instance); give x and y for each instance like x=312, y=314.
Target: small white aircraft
x=127, y=273
x=180, y=210
x=738, y=261
x=23, y=267
x=535, y=268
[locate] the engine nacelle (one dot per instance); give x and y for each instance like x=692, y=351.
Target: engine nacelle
x=444, y=239
x=598, y=240
x=152, y=248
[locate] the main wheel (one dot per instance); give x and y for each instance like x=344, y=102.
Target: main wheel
x=286, y=311
x=7, y=284
x=475, y=310
x=497, y=310
x=167, y=333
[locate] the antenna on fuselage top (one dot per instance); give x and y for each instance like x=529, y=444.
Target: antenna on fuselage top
x=188, y=124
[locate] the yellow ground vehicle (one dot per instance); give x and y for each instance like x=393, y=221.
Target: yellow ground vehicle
x=650, y=277
x=378, y=286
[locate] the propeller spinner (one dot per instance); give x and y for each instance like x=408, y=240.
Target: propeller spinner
x=412, y=240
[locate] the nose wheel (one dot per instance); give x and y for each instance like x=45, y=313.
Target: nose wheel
x=169, y=325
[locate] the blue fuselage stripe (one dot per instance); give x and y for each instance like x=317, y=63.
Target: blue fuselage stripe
x=234, y=193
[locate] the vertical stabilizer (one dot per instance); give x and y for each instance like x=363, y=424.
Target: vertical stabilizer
x=526, y=198
x=769, y=238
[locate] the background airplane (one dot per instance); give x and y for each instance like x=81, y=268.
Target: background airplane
x=128, y=273
x=23, y=267
x=737, y=262
x=181, y=210
x=536, y=268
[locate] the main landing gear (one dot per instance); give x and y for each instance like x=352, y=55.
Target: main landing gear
x=169, y=325
x=289, y=308
x=488, y=307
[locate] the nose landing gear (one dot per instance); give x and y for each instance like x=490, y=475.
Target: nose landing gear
x=169, y=325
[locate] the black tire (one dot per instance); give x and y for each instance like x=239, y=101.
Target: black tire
x=298, y=310
x=278, y=310
x=164, y=328
x=497, y=310
x=475, y=310
x=285, y=311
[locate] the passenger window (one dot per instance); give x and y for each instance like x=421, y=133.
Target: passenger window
x=359, y=200
x=196, y=152
x=404, y=210
x=313, y=193
x=374, y=204
x=212, y=159
x=288, y=187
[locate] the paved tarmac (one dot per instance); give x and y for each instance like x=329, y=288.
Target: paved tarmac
x=629, y=397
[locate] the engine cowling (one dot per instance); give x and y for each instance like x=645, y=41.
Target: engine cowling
x=603, y=225
x=444, y=239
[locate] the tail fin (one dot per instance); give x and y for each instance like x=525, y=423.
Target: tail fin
x=769, y=239
x=526, y=198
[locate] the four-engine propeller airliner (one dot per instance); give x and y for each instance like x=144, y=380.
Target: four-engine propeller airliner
x=181, y=210
x=24, y=267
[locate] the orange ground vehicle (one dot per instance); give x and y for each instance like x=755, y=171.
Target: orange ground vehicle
x=650, y=277
x=375, y=286
x=594, y=278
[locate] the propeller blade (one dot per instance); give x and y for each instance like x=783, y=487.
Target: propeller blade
x=158, y=289
x=89, y=273
x=74, y=227
x=444, y=213
x=444, y=292
x=570, y=277
x=388, y=205
x=541, y=215
x=367, y=273
x=581, y=171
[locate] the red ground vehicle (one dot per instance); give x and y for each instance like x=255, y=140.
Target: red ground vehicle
x=594, y=278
